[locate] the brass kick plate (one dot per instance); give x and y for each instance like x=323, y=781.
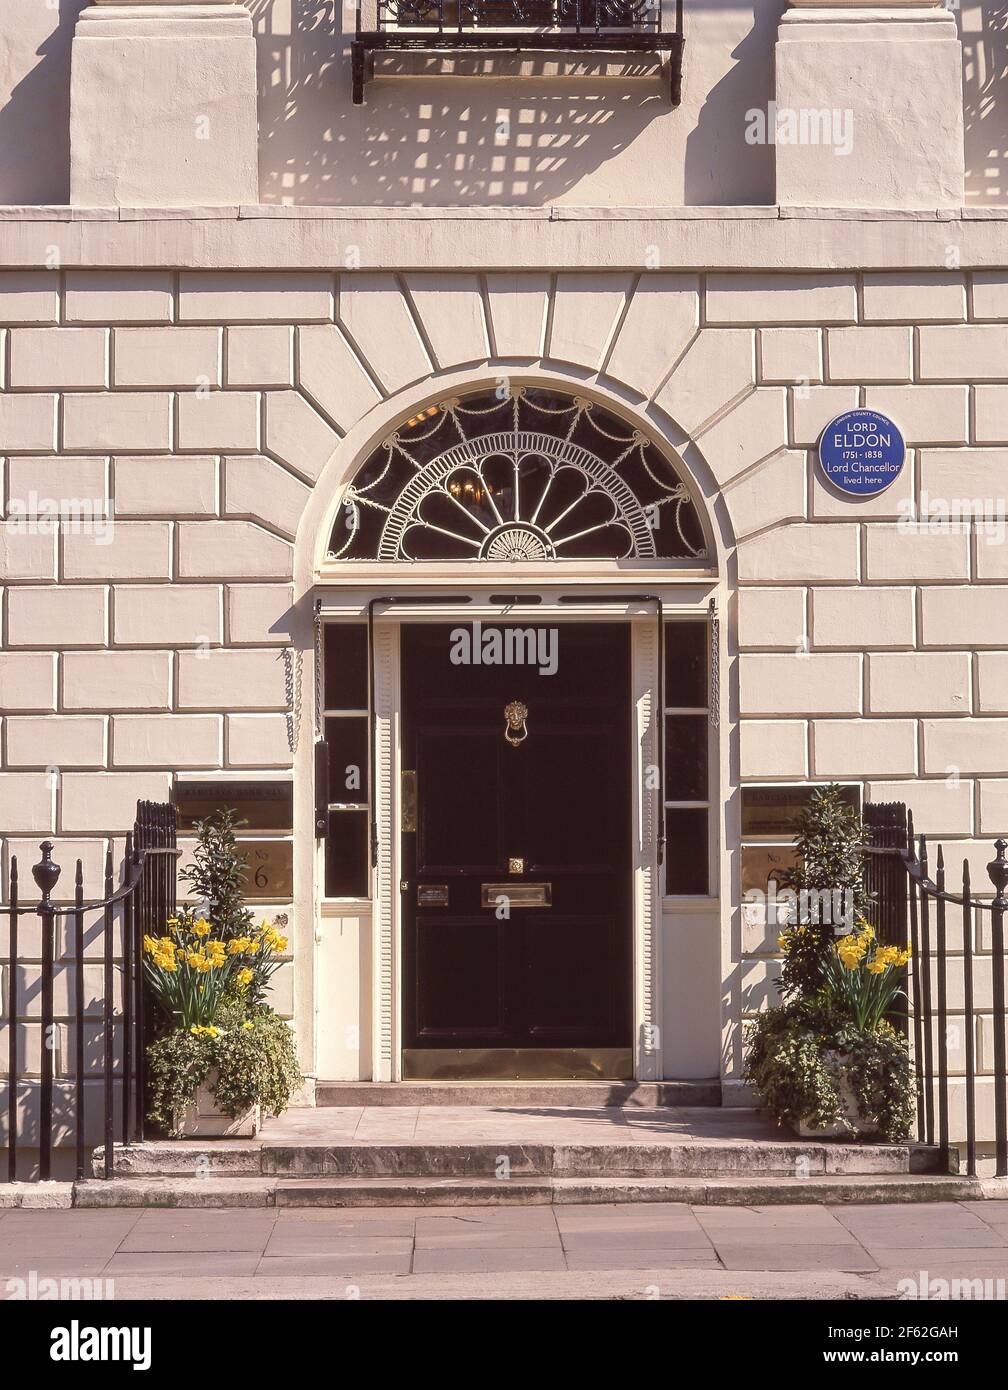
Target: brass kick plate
x=517, y=1064
x=517, y=894
x=432, y=895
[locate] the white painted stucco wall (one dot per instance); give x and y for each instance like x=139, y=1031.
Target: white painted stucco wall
x=433, y=140
x=856, y=649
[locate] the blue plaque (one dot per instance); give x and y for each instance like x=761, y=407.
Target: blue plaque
x=862, y=452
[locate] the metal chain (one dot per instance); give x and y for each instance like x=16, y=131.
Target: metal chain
x=715, y=669
x=292, y=682
x=318, y=668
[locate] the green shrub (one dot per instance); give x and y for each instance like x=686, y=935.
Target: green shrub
x=828, y=838
x=253, y=1056
x=798, y=1054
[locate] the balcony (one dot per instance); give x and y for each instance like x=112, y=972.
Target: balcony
x=632, y=27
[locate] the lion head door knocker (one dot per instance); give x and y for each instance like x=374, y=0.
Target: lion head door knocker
x=516, y=730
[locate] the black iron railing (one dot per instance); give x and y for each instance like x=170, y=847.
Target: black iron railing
x=912, y=906
x=140, y=905
x=579, y=26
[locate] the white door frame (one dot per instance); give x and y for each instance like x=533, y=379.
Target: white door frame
x=682, y=598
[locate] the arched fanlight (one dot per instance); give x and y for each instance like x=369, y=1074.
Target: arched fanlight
x=534, y=475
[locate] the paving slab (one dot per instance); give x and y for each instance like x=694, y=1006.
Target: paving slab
x=336, y=1264
x=465, y=1260
x=950, y=1226
x=937, y=1258
x=664, y=1246
x=766, y=1227
x=233, y=1231
x=625, y=1259
x=182, y=1263
x=326, y=1241
x=764, y=1255
x=52, y=1266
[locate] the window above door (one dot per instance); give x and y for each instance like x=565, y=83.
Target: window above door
x=531, y=476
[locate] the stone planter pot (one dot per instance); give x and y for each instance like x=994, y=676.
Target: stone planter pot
x=203, y=1119
x=837, y=1131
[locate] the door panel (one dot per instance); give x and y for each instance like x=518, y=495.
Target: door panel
x=565, y=1003
x=457, y=798
x=449, y=950
x=555, y=809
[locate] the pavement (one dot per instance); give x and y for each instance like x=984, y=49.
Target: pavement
x=659, y=1250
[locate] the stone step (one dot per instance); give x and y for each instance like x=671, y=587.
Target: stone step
x=427, y=1192
x=647, y=1094
x=473, y=1161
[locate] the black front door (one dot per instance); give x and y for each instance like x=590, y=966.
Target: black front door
x=516, y=891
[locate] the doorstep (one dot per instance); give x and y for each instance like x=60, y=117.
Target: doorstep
x=638, y=1094
x=429, y=1155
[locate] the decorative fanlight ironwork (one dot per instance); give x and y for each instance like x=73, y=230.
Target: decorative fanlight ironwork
x=532, y=476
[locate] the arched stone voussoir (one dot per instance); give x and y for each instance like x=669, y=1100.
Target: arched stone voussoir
x=261, y=490
x=450, y=310
x=769, y=494
x=297, y=434
x=586, y=309
x=332, y=376
x=519, y=307
x=754, y=428
x=376, y=317
x=662, y=318
x=718, y=368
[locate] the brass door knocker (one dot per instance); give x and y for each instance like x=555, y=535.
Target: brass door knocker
x=516, y=730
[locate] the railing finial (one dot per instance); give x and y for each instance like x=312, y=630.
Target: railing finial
x=998, y=871
x=45, y=872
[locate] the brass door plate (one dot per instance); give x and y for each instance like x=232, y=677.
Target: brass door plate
x=407, y=800
x=517, y=894
x=432, y=895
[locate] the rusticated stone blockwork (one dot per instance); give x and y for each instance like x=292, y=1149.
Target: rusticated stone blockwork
x=169, y=431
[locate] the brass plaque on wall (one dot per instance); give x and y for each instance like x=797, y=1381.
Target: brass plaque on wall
x=772, y=811
x=266, y=805
x=760, y=863
x=269, y=874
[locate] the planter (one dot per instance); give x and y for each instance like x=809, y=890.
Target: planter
x=203, y=1118
x=839, y=1061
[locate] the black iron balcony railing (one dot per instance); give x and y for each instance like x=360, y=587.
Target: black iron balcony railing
x=573, y=26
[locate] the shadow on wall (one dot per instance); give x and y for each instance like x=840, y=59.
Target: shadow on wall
x=716, y=141
x=452, y=140
x=984, y=33
x=35, y=40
